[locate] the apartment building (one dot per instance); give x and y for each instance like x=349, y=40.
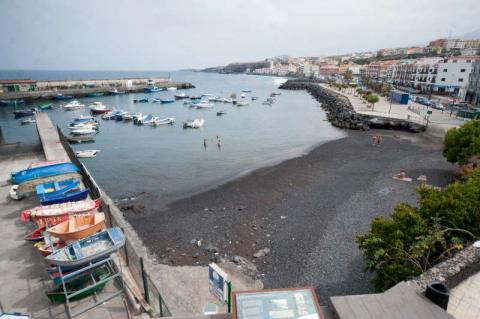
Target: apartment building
x=453, y=75
x=473, y=90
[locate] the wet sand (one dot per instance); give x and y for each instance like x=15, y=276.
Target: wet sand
x=306, y=210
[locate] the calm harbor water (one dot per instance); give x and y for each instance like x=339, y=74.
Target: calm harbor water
x=170, y=162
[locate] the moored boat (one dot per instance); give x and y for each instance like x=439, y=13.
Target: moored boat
x=12, y=102
x=23, y=113
x=151, y=89
x=73, y=105
x=117, y=92
x=45, y=106
x=196, y=123
x=86, y=153
x=88, y=249
x=222, y=112
x=180, y=96
x=43, y=171
x=84, y=131
x=203, y=105
x=169, y=120
x=60, y=97
x=95, y=94
x=164, y=101
x=242, y=103
x=78, y=227
x=28, y=121
x=142, y=100
x=246, y=90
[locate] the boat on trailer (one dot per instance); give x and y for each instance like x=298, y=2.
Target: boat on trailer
x=88, y=249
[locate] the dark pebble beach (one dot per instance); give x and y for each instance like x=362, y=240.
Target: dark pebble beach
x=300, y=217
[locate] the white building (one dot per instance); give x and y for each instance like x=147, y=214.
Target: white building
x=453, y=75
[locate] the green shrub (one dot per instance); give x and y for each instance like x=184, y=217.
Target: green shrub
x=462, y=143
x=414, y=239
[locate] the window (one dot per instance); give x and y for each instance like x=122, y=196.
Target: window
x=460, y=80
x=462, y=70
x=445, y=70
x=443, y=79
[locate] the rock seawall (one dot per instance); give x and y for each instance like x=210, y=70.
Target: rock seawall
x=340, y=112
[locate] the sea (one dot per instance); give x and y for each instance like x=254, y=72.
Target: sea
x=170, y=162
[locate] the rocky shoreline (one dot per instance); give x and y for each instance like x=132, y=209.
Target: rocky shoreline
x=341, y=113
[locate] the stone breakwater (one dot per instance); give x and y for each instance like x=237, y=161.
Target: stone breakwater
x=341, y=114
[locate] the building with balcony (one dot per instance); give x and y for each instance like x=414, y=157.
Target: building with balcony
x=426, y=72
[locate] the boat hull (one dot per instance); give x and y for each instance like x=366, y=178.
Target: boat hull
x=44, y=171
x=63, y=198
x=78, y=227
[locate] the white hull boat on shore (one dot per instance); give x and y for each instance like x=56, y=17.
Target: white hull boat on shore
x=197, y=123
x=86, y=153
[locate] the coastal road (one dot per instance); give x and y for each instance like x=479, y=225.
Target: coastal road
x=307, y=211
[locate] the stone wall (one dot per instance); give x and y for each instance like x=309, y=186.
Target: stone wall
x=452, y=271
x=341, y=114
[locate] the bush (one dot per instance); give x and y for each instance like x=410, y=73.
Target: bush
x=414, y=239
x=462, y=143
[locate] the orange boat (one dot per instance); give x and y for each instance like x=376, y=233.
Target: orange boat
x=78, y=227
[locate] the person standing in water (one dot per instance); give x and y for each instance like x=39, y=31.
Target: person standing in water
x=205, y=143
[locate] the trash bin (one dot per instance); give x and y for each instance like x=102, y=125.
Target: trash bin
x=438, y=293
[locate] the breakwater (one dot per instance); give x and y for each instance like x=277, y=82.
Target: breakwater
x=47, y=90
x=341, y=114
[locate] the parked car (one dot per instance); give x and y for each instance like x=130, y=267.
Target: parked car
x=422, y=100
x=436, y=104
x=458, y=104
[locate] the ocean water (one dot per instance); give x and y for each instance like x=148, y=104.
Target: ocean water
x=169, y=162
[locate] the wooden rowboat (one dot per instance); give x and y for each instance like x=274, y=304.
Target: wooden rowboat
x=46, y=249
x=78, y=227
x=57, y=213
x=35, y=235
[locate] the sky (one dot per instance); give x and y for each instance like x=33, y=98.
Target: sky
x=179, y=34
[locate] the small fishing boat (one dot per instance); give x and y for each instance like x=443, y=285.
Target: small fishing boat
x=73, y=105
x=60, y=97
x=45, y=106
x=43, y=171
x=83, y=118
x=222, y=112
x=87, y=249
x=84, y=283
x=254, y=98
x=99, y=109
x=69, y=196
x=144, y=120
x=83, y=131
x=196, y=123
x=81, y=138
x=56, y=188
x=246, y=90
x=83, y=126
x=172, y=88
x=142, y=100
x=156, y=100
x=242, y=103
x=273, y=94
x=242, y=95
x=118, y=116
x=78, y=227
x=46, y=249
x=226, y=100
x=57, y=213
x=23, y=113
x=95, y=94
x=117, y=92
x=36, y=235
x=193, y=97
x=203, y=105
x=45, y=163
x=28, y=121
x=127, y=117
x=164, y=101
x=180, y=96
x=151, y=89
x=12, y=102
x=169, y=120
x=86, y=153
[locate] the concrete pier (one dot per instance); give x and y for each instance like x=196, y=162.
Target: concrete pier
x=49, y=138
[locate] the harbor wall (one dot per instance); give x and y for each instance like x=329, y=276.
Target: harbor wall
x=134, y=252
x=48, y=89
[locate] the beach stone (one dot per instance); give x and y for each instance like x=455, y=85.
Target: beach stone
x=262, y=253
x=199, y=243
x=211, y=248
x=247, y=267
x=193, y=241
x=195, y=255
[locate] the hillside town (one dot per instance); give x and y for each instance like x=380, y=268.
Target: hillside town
x=445, y=67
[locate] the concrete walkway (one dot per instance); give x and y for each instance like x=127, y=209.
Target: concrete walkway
x=464, y=300
x=23, y=279
x=49, y=138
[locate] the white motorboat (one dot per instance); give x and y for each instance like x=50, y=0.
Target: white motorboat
x=95, y=104
x=74, y=105
x=128, y=116
x=83, y=127
x=156, y=100
x=172, y=88
x=169, y=120
x=84, y=131
x=144, y=120
x=203, y=105
x=242, y=103
x=180, y=96
x=275, y=94
x=28, y=121
x=226, y=100
x=242, y=95
x=196, y=123
x=86, y=153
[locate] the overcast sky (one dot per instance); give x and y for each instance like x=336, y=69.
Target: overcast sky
x=175, y=34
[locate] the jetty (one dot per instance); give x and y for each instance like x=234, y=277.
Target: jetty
x=31, y=90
